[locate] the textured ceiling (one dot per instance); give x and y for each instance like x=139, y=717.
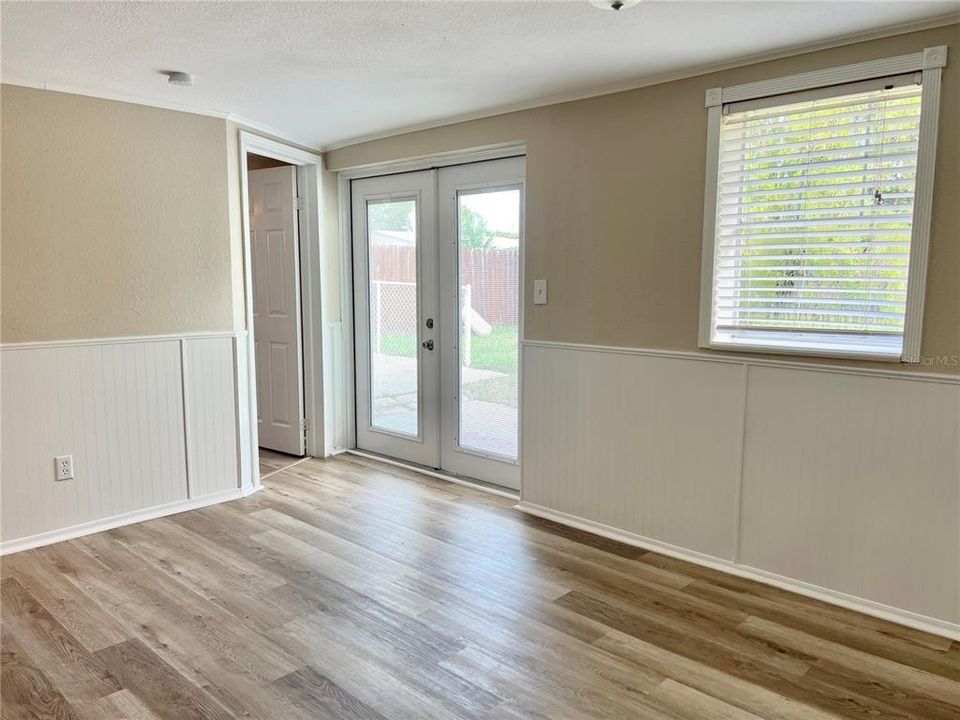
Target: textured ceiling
x=328, y=72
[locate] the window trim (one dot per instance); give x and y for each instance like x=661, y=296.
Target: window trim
x=930, y=62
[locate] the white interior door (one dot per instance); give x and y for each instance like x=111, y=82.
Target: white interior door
x=437, y=307
x=277, y=330
x=395, y=313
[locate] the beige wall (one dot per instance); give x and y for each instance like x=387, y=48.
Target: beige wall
x=114, y=221
x=615, y=202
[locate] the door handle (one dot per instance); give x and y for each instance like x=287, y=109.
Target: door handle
x=427, y=344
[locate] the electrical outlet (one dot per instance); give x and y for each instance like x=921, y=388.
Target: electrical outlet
x=63, y=467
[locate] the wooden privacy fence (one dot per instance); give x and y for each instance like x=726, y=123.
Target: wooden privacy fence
x=493, y=276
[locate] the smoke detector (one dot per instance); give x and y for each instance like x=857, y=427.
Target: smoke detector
x=614, y=4
x=181, y=79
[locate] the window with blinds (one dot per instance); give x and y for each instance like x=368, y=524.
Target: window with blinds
x=814, y=217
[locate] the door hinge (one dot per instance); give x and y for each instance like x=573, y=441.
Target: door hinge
x=303, y=428
x=298, y=203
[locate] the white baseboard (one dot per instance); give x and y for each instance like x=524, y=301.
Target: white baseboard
x=867, y=607
x=114, y=521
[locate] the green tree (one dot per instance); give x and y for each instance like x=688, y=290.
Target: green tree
x=392, y=215
x=473, y=229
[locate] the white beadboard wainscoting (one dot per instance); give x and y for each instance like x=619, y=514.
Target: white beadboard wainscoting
x=838, y=483
x=152, y=424
x=337, y=382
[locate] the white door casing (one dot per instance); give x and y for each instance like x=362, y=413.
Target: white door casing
x=277, y=329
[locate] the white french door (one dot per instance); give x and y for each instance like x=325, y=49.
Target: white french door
x=396, y=298
x=481, y=231
x=437, y=308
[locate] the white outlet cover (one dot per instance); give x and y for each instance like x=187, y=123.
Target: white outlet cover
x=63, y=467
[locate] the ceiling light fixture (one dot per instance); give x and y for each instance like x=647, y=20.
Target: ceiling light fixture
x=181, y=79
x=614, y=4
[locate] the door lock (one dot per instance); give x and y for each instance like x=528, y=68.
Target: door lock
x=427, y=344
x=429, y=323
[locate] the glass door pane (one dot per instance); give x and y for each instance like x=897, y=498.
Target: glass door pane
x=488, y=261
x=392, y=263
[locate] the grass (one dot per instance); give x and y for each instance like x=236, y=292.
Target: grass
x=497, y=351
x=399, y=344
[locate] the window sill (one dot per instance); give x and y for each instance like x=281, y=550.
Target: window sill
x=804, y=345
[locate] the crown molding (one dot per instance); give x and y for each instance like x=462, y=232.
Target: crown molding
x=239, y=120
x=260, y=128
x=117, y=97
x=647, y=81
x=660, y=78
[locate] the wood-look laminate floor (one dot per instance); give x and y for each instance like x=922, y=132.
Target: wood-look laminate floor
x=349, y=589
x=272, y=462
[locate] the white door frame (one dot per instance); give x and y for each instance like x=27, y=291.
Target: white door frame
x=313, y=277
x=343, y=385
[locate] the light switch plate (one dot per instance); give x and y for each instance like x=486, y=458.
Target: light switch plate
x=539, y=292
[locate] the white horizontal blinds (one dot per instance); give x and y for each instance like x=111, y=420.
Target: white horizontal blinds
x=814, y=215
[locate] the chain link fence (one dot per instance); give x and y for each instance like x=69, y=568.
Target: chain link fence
x=393, y=317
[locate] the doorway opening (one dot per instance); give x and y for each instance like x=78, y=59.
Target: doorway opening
x=280, y=195
x=437, y=317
